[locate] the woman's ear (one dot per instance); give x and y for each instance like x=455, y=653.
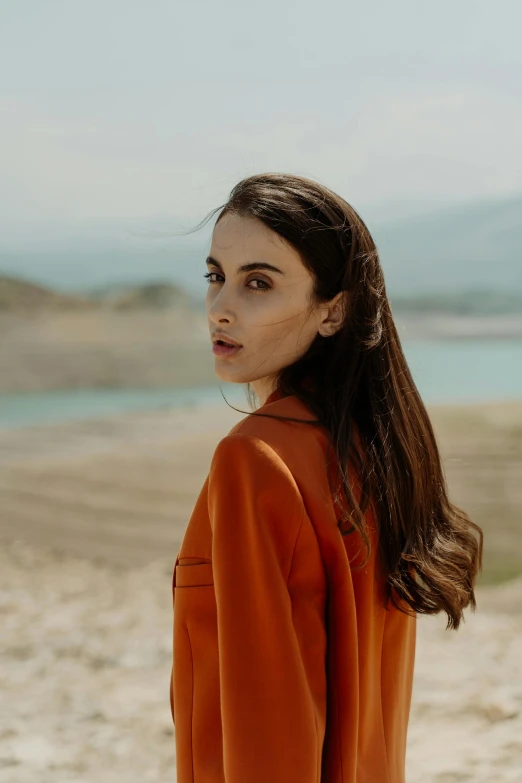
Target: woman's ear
x=334, y=314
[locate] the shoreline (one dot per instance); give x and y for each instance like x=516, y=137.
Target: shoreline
x=204, y=400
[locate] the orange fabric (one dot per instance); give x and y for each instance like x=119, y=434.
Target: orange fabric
x=286, y=666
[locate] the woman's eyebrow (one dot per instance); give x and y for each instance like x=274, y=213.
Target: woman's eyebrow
x=252, y=267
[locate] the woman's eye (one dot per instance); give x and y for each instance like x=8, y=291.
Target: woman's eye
x=262, y=284
x=208, y=276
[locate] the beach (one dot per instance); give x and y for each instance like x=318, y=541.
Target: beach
x=93, y=516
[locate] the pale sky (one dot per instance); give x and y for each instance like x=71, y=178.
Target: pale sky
x=124, y=109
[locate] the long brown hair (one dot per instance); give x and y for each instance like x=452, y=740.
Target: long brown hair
x=357, y=382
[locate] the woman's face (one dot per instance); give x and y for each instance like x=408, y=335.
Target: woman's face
x=265, y=308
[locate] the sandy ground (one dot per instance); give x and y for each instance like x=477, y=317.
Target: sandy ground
x=92, y=518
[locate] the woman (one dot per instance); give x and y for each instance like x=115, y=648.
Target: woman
x=324, y=525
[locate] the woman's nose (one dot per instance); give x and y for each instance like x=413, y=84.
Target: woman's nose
x=221, y=307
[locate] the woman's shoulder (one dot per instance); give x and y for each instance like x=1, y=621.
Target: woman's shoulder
x=277, y=420
x=278, y=436
x=269, y=457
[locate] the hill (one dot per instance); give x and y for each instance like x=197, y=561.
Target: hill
x=472, y=245
x=23, y=295
x=16, y=295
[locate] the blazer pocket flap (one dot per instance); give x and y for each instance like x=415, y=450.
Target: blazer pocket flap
x=193, y=575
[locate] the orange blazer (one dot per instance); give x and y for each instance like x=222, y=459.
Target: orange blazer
x=286, y=666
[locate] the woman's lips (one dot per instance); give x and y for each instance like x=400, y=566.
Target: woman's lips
x=225, y=350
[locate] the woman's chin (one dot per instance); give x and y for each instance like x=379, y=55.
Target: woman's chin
x=227, y=375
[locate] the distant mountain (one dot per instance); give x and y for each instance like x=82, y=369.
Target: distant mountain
x=17, y=294
x=154, y=295
x=464, y=247
x=82, y=259
x=473, y=246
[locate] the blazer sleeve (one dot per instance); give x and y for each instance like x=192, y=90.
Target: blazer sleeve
x=256, y=513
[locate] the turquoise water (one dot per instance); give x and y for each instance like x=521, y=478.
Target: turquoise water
x=466, y=370
x=17, y=410
x=445, y=371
